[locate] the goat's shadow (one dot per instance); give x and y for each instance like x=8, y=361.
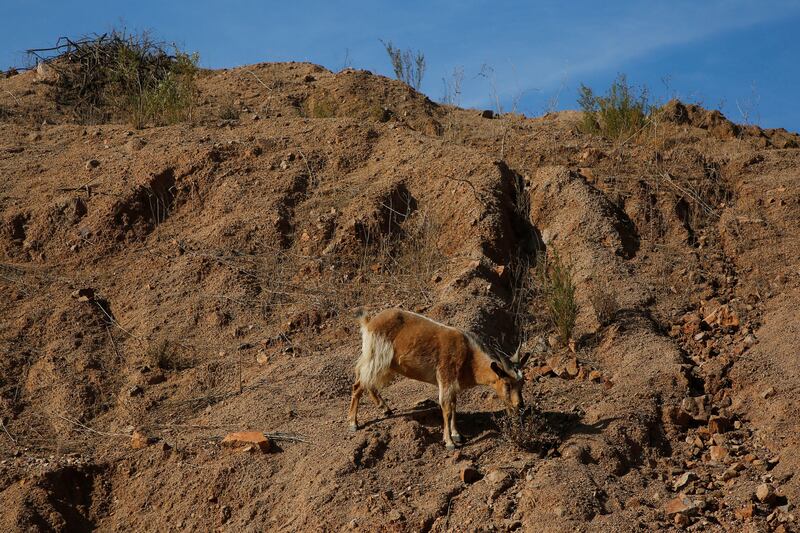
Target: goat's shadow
x=477, y=426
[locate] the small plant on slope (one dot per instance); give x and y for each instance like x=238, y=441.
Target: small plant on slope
x=409, y=66
x=622, y=112
x=558, y=289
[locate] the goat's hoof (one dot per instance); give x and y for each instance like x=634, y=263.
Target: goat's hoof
x=353, y=427
x=458, y=439
x=450, y=446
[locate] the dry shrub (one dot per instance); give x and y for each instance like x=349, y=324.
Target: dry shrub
x=379, y=113
x=122, y=75
x=605, y=306
x=529, y=432
x=410, y=258
x=620, y=113
x=228, y=110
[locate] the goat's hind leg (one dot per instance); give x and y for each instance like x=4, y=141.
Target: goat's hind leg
x=352, y=414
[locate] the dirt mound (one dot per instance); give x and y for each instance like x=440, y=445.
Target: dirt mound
x=717, y=125
x=167, y=286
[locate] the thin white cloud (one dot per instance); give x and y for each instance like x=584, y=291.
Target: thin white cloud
x=609, y=39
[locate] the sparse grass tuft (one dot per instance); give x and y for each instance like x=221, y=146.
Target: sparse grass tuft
x=621, y=113
x=409, y=66
x=379, y=113
x=165, y=355
x=228, y=110
x=558, y=289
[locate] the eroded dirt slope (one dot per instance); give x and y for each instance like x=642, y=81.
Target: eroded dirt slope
x=184, y=282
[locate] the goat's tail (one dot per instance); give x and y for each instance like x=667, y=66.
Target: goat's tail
x=373, y=368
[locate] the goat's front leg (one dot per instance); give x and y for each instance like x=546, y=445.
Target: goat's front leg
x=453, y=429
x=447, y=402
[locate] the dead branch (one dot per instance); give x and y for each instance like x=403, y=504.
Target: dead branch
x=258, y=79
x=3, y=425
x=474, y=190
x=91, y=430
x=308, y=168
x=13, y=96
x=290, y=437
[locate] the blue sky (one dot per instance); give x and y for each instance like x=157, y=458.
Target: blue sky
x=740, y=56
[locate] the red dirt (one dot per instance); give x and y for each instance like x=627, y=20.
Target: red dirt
x=225, y=257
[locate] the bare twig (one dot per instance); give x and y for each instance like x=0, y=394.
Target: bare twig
x=290, y=437
x=114, y=345
x=308, y=168
x=258, y=79
x=114, y=321
x=87, y=428
x=472, y=186
x=16, y=281
x=693, y=195
x=13, y=96
x=3, y=425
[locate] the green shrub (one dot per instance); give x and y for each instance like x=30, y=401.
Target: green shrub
x=558, y=290
x=323, y=107
x=622, y=112
x=160, y=96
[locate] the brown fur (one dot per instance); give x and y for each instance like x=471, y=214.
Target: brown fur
x=400, y=342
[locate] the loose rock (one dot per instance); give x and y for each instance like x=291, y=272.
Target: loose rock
x=139, y=440
x=681, y=520
x=248, y=441
x=680, y=504
x=718, y=424
x=684, y=480
x=717, y=453
x=765, y=493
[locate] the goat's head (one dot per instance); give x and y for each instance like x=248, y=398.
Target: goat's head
x=509, y=381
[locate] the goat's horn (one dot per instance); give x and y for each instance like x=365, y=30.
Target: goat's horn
x=515, y=357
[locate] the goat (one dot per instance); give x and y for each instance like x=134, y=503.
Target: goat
x=401, y=342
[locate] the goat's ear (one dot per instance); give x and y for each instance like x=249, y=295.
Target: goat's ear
x=524, y=360
x=498, y=370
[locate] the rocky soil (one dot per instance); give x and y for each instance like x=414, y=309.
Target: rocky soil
x=177, y=341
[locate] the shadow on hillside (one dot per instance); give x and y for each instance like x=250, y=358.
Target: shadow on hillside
x=479, y=426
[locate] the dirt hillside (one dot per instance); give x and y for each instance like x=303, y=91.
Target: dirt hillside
x=161, y=288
